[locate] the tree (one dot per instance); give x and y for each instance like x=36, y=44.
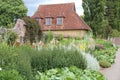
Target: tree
x=102, y=16
x=94, y=11
x=112, y=13
x=33, y=30
x=10, y=10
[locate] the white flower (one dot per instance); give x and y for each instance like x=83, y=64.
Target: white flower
x=0, y=68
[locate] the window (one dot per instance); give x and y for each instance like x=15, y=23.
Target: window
x=48, y=21
x=59, y=21
x=38, y=19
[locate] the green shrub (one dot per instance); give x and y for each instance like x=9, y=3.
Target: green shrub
x=8, y=56
x=107, y=54
x=60, y=37
x=72, y=73
x=11, y=37
x=23, y=64
x=103, y=42
x=17, y=58
x=66, y=41
x=57, y=57
x=33, y=29
x=10, y=75
x=78, y=38
x=115, y=33
x=105, y=51
x=104, y=63
x=48, y=37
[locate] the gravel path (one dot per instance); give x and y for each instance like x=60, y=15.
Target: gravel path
x=113, y=73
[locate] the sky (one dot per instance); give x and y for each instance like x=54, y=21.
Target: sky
x=32, y=5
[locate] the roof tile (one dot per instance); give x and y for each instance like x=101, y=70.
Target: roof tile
x=71, y=20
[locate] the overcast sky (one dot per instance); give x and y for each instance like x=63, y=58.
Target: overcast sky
x=32, y=5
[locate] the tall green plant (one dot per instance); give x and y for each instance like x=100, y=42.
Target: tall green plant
x=94, y=11
x=11, y=37
x=33, y=30
x=48, y=37
x=112, y=13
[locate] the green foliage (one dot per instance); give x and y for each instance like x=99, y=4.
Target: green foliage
x=72, y=73
x=10, y=75
x=23, y=64
x=11, y=10
x=94, y=11
x=8, y=56
x=102, y=16
x=107, y=55
x=11, y=37
x=60, y=37
x=66, y=41
x=16, y=58
x=78, y=38
x=104, y=63
x=33, y=30
x=115, y=33
x=105, y=43
x=112, y=13
x=48, y=37
x=27, y=61
x=57, y=57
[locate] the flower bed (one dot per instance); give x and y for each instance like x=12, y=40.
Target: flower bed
x=72, y=73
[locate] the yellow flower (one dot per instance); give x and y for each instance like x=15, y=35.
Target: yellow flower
x=83, y=46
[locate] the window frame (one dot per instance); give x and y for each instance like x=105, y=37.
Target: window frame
x=59, y=21
x=48, y=21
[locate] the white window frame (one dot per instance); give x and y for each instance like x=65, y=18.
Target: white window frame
x=59, y=21
x=48, y=21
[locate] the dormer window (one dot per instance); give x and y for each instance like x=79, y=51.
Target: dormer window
x=38, y=19
x=59, y=21
x=48, y=21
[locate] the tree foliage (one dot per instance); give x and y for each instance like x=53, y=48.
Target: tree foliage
x=102, y=16
x=112, y=13
x=10, y=10
x=33, y=31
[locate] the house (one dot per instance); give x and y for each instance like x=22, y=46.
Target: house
x=61, y=19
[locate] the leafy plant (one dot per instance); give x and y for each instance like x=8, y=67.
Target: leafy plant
x=11, y=37
x=92, y=62
x=72, y=73
x=8, y=56
x=48, y=37
x=115, y=33
x=105, y=55
x=104, y=63
x=57, y=57
x=10, y=75
x=60, y=37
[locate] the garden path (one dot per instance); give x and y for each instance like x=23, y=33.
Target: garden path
x=113, y=73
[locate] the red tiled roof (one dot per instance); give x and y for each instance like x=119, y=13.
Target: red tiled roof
x=71, y=21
